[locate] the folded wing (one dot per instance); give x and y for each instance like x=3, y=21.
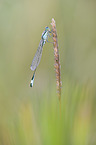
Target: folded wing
x=37, y=57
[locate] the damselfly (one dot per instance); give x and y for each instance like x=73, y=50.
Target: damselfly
x=37, y=57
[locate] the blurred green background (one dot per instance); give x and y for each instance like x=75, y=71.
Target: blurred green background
x=31, y=116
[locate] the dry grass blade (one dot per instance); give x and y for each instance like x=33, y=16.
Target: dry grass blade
x=57, y=61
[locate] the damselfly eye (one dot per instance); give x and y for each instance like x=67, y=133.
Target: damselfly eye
x=47, y=28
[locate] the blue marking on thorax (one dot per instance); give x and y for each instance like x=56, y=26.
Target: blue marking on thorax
x=45, y=36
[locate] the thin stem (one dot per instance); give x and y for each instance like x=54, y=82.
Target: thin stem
x=57, y=61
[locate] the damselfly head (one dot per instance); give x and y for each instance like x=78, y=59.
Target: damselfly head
x=47, y=29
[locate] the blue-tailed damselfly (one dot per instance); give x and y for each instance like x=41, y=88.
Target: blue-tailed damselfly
x=38, y=54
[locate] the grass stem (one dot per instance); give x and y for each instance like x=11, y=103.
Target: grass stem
x=57, y=61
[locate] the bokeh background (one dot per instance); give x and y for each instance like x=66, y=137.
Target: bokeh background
x=31, y=116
